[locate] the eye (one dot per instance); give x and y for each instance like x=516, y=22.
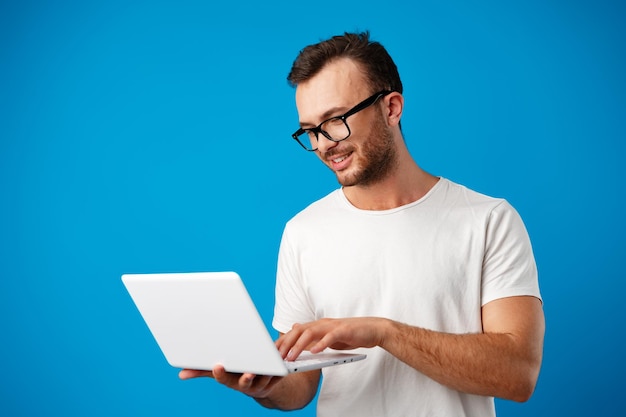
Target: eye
x=334, y=122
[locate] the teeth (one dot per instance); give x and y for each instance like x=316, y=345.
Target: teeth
x=337, y=160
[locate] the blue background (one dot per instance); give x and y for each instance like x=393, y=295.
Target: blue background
x=154, y=136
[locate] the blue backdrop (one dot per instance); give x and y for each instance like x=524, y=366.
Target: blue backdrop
x=154, y=136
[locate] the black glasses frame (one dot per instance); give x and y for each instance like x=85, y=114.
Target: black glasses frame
x=318, y=129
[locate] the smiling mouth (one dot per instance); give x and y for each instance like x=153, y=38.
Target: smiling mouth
x=337, y=157
x=339, y=163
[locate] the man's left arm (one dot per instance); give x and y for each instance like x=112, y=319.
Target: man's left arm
x=503, y=361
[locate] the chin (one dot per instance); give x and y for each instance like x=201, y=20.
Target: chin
x=347, y=179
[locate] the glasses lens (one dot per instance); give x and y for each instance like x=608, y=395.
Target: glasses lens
x=308, y=140
x=336, y=129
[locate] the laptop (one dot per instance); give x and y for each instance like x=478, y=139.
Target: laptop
x=201, y=319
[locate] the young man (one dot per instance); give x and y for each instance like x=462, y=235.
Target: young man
x=435, y=282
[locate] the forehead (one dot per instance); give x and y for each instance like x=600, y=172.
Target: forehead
x=339, y=85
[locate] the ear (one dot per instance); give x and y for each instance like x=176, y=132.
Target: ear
x=395, y=105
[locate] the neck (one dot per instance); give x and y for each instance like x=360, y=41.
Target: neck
x=405, y=184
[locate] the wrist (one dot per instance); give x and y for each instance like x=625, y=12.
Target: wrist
x=388, y=329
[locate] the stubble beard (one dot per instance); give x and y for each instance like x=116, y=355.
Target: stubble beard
x=378, y=158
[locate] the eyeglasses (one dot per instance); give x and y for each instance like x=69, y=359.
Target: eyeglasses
x=336, y=128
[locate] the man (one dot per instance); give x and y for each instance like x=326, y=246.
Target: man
x=436, y=283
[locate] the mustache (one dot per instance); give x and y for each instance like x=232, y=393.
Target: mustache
x=334, y=152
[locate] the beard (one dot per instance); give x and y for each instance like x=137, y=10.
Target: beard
x=378, y=156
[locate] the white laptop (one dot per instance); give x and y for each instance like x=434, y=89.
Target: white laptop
x=201, y=319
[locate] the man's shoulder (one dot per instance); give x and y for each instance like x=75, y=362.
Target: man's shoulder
x=452, y=192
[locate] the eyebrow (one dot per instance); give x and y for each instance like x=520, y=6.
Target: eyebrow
x=328, y=114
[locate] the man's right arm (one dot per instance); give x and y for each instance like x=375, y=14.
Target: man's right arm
x=291, y=392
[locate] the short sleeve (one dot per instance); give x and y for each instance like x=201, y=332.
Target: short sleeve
x=509, y=267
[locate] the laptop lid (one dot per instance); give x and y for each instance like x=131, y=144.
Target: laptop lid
x=202, y=319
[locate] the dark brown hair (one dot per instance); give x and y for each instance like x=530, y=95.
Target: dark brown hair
x=376, y=64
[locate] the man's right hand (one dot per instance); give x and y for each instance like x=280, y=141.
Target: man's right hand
x=255, y=386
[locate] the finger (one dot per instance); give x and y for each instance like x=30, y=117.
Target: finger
x=273, y=381
x=264, y=385
x=245, y=382
x=307, y=338
x=192, y=373
x=286, y=341
x=279, y=342
x=327, y=341
x=225, y=378
x=318, y=347
x=323, y=335
x=257, y=386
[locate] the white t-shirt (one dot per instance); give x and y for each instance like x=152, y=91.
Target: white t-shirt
x=432, y=263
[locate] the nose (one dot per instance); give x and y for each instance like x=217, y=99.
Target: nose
x=324, y=144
